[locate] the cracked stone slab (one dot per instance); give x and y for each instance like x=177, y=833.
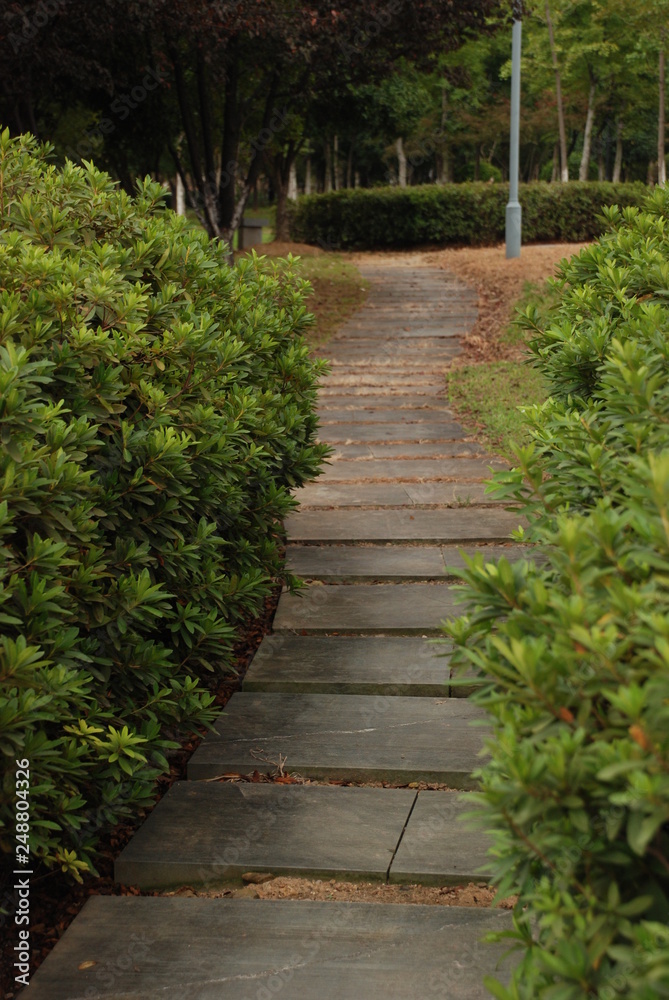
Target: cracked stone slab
x=350, y=665
x=452, y=525
x=438, y=848
x=345, y=737
x=404, y=469
x=348, y=563
x=208, y=833
x=367, y=609
x=173, y=948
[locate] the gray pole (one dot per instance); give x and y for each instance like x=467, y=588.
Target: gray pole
x=513, y=209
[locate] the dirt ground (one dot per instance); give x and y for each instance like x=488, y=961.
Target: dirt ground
x=476, y=894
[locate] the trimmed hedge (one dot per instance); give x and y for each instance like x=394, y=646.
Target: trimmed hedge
x=573, y=653
x=464, y=214
x=156, y=407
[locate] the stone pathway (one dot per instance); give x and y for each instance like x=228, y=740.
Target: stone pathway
x=347, y=689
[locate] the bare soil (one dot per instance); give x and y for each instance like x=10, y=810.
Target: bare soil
x=474, y=894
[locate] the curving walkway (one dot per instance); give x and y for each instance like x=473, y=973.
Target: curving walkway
x=346, y=689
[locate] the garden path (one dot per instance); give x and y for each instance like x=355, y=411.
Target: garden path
x=347, y=693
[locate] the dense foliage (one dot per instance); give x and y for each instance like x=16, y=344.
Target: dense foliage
x=156, y=407
x=573, y=649
x=472, y=214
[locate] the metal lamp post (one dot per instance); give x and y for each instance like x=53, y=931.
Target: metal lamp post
x=513, y=209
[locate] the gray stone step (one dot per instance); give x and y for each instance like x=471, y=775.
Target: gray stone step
x=449, y=526
x=353, y=495
x=208, y=833
x=389, y=431
x=353, y=390
x=345, y=737
x=407, y=381
x=370, y=609
x=425, y=449
x=389, y=415
x=144, y=948
x=405, y=469
x=438, y=848
x=351, y=665
x=353, y=406
x=350, y=563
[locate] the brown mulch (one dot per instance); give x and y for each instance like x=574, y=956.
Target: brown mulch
x=474, y=894
x=54, y=899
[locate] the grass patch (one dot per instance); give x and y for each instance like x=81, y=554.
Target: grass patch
x=338, y=291
x=486, y=398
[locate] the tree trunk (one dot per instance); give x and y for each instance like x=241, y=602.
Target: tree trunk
x=661, y=161
x=336, y=164
x=651, y=174
x=180, y=196
x=349, y=166
x=555, y=176
x=292, y=182
x=229, y=146
x=356, y=179
x=587, y=136
x=327, y=186
x=307, y=176
x=564, y=165
x=618, y=164
x=401, y=163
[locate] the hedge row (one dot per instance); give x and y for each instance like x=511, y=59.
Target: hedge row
x=156, y=407
x=464, y=214
x=573, y=652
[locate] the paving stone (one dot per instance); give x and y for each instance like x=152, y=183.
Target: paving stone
x=346, y=563
x=366, y=609
x=352, y=406
x=349, y=563
x=449, y=448
x=350, y=665
x=141, y=948
x=396, y=391
x=345, y=737
x=392, y=494
x=389, y=415
x=407, y=469
x=396, y=526
x=204, y=833
x=379, y=432
x=382, y=494
x=438, y=848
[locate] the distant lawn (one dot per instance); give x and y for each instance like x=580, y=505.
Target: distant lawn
x=338, y=291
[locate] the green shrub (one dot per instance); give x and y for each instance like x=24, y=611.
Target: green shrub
x=156, y=407
x=466, y=214
x=573, y=650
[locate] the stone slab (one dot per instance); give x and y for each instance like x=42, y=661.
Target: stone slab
x=345, y=737
x=350, y=665
x=385, y=415
x=390, y=609
x=438, y=848
x=428, y=429
x=464, y=524
x=407, y=449
x=398, y=391
x=142, y=948
x=347, y=563
x=350, y=563
x=404, y=381
x=444, y=494
x=208, y=833
x=406, y=469
x=352, y=406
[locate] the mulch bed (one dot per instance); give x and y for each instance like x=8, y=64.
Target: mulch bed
x=54, y=899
